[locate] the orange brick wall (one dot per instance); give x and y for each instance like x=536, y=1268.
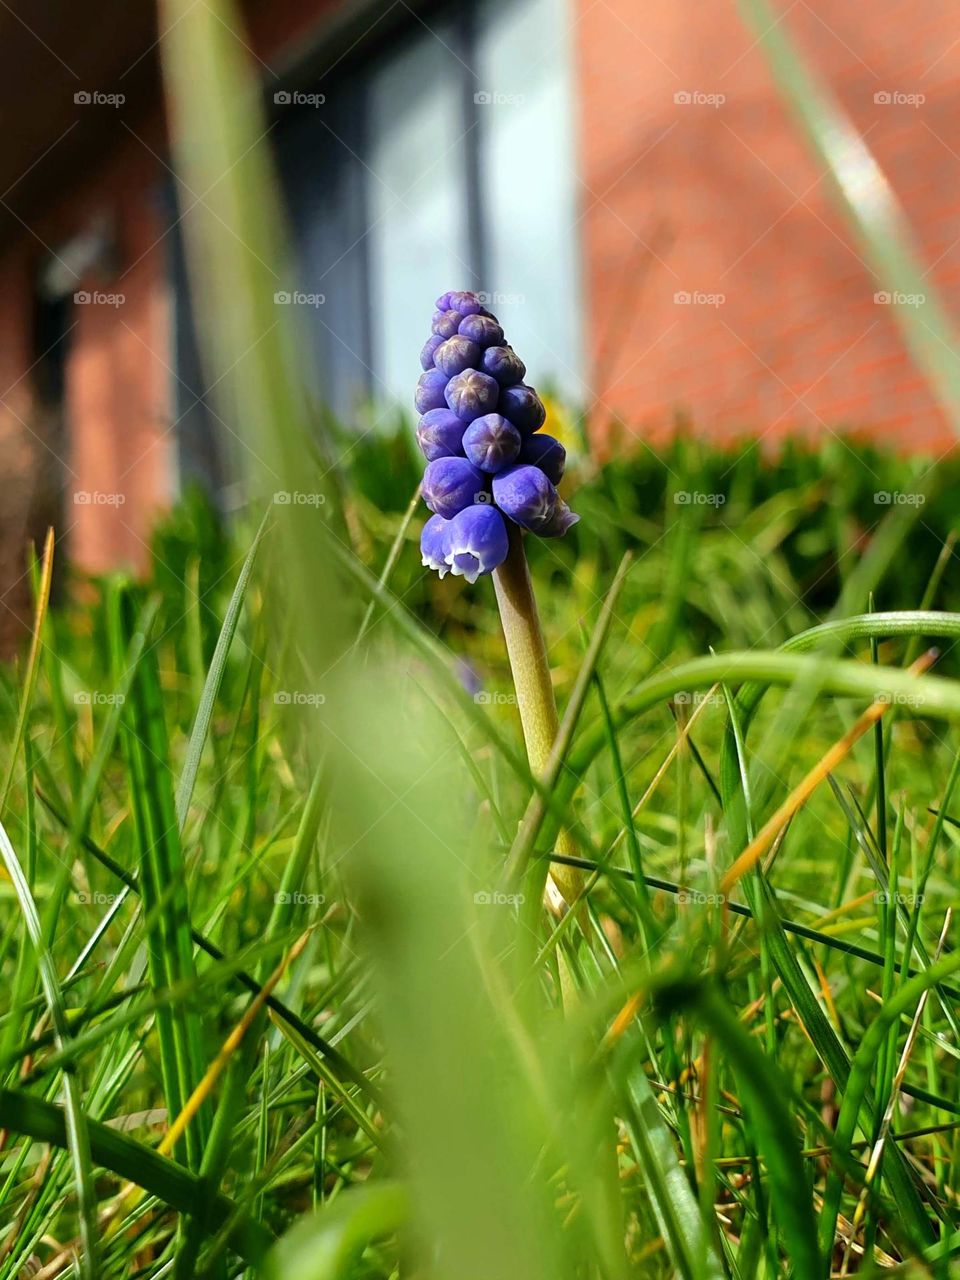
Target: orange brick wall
x=726, y=200
x=119, y=381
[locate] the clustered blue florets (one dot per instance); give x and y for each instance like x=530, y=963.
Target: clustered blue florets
x=477, y=431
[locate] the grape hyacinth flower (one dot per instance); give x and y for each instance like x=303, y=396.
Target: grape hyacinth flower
x=479, y=421
x=476, y=542
x=490, y=480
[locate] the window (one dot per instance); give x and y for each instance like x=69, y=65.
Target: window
x=415, y=176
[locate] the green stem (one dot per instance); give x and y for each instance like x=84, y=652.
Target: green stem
x=531, y=680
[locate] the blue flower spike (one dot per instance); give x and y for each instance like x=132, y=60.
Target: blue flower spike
x=486, y=465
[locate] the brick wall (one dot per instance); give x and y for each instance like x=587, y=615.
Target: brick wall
x=122, y=445
x=724, y=198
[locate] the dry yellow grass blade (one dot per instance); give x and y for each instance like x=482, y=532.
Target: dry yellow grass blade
x=131, y=1194
x=802, y=792
x=228, y=1048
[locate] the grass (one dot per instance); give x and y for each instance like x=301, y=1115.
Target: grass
x=719, y=1085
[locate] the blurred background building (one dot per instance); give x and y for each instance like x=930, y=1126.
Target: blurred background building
x=620, y=177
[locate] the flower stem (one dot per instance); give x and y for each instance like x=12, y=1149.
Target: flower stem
x=531, y=679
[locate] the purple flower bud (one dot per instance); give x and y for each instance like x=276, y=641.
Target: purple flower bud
x=440, y=434
x=430, y=388
x=526, y=495
x=470, y=394
x=456, y=354
x=443, y=302
x=546, y=453
x=465, y=302
x=450, y=484
x=491, y=442
x=477, y=542
x=523, y=407
x=445, y=323
x=434, y=542
x=504, y=364
x=563, y=518
x=483, y=330
x=429, y=347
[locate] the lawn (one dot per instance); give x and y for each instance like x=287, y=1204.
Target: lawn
x=634, y=1089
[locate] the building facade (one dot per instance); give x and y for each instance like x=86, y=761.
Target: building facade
x=621, y=177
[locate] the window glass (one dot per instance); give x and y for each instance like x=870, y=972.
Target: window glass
x=416, y=200
x=527, y=164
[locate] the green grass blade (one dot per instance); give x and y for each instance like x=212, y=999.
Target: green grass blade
x=132, y=1162
x=76, y=1135
x=162, y=879
x=211, y=686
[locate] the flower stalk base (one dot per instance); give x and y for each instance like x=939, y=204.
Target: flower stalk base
x=531, y=678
